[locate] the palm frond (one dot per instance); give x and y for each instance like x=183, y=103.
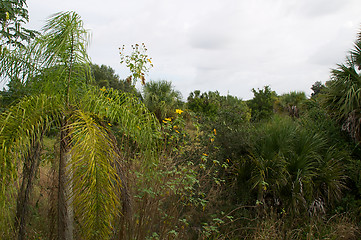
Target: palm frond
x=65, y=39
x=19, y=64
x=19, y=125
x=131, y=115
x=96, y=184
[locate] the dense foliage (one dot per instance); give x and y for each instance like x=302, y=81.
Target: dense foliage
x=13, y=14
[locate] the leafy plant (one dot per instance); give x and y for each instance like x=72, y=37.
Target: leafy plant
x=91, y=180
x=138, y=62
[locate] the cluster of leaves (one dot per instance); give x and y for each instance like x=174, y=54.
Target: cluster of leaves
x=105, y=76
x=262, y=104
x=161, y=98
x=13, y=13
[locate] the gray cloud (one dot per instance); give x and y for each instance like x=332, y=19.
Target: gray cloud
x=226, y=45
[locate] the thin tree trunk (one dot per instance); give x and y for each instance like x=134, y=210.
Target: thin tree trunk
x=31, y=165
x=65, y=208
x=126, y=216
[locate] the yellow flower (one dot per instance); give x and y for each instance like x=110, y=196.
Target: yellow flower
x=103, y=89
x=205, y=154
x=215, y=131
x=168, y=119
x=109, y=124
x=179, y=111
x=177, y=131
x=164, y=121
x=212, y=139
x=149, y=60
x=109, y=99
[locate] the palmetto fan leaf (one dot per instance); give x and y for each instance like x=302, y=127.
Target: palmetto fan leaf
x=344, y=91
x=295, y=165
x=342, y=97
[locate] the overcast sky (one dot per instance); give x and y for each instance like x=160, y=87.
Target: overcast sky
x=227, y=45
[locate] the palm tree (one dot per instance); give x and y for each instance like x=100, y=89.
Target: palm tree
x=292, y=102
x=91, y=183
x=342, y=95
x=161, y=98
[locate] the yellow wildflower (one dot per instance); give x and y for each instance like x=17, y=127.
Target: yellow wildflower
x=179, y=111
x=168, y=119
x=109, y=124
x=205, y=154
x=177, y=131
x=212, y=139
x=149, y=60
x=215, y=131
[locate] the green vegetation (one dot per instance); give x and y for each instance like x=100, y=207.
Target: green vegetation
x=13, y=13
x=84, y=155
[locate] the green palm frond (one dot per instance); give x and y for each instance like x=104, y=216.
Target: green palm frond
x=65, y=40
x=125, y=109
x=19, y=64
x=63, y=48
x=19, y=127
x=343, y=92
x=21, y=122
x=96, y=184
x=331, y=179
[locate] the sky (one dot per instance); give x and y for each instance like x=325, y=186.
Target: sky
x=227, y=45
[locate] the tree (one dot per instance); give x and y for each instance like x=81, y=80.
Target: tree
x=342, y=95
x=262, y=103
x=105, y=76
x=205, y=104
x=91, y=182
x=13, y=13
x=317, y=88
x=292, y=102
x=161, y=99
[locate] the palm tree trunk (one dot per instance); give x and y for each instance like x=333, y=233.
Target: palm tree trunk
x=65, y=209
x=31, y=165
